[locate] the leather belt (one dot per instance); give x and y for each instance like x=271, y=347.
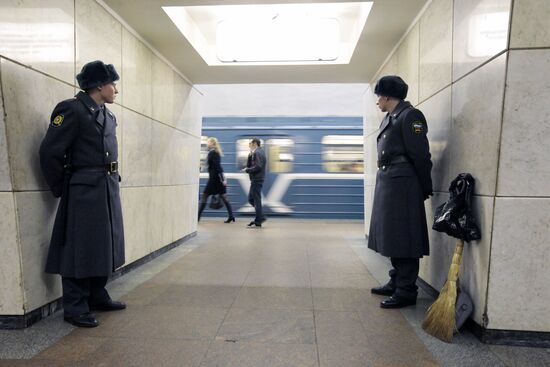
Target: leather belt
x=393, y=160
x=109, y=168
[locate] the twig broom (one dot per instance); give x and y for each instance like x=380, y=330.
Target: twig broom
x=440, y=319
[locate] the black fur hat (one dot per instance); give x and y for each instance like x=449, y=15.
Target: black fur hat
x=96, y=73
x=391, y=86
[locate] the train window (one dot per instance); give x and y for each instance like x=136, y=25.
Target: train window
x=242, y=151
x=343, y=153
x=280, y=156
x=204, y=152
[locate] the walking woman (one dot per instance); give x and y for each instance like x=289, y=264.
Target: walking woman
x=216, y=184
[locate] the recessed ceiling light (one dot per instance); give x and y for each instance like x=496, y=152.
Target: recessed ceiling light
x=272, y=34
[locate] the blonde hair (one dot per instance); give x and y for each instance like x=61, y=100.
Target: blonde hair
x=216, y=144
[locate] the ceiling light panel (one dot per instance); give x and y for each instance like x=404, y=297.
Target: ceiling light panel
x=273, y=34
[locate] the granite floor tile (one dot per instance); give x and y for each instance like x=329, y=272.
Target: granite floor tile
x=144, y=294
x=164, y=322
x=149, y=352
x=72, y=349
x=272, y=278
x=204, y=277
x=197, y=296
x=223, y=354
x=320, y=279
x=274, y=297
x=343, y=299
x=268, y=326
x=340, y=328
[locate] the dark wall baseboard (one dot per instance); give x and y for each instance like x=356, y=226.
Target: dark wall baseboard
x=26, y=320
x=495, y=336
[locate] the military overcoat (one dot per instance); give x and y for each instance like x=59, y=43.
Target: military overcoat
x=398, y=225
x=88, y=234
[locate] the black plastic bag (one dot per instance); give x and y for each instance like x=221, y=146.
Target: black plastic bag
x=216, y=202
x=455, y=216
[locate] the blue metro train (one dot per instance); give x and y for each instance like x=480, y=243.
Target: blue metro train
x=314, y=164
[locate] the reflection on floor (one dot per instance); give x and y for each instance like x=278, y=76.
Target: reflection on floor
x=294, y=293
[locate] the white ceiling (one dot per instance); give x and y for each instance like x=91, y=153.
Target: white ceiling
x=386, y=24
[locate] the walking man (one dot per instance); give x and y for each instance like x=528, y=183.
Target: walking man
x=255, y=167
x=78, y=157
x=398, y=226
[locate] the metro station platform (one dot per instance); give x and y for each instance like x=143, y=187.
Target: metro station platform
x=294, y=293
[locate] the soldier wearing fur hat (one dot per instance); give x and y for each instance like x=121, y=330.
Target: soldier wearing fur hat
x=78, y=157
x=398, y=227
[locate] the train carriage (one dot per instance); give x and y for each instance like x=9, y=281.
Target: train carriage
x=314, y=164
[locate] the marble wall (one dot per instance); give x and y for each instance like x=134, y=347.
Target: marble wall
x=483, y=86
x=42, y=46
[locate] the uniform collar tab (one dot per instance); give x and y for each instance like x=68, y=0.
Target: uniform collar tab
x=88, y=101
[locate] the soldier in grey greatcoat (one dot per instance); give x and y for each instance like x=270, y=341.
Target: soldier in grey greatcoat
x=398, y=227
x=78, y=157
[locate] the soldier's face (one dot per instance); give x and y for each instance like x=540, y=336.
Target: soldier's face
x=108, y=92
x=382, y=103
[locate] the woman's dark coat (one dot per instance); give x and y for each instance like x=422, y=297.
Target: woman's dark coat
x=215, y=185
x=88, y=234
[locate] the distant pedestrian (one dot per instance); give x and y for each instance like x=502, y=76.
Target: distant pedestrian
x=217, y=184
x=255, y=167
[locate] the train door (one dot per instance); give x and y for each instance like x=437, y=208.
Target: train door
x=279, y=151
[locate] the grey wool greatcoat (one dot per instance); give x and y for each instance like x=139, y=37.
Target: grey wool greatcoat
x=398, y=225
x=88, y=235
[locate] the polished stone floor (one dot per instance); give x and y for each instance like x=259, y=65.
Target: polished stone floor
x=294, y=293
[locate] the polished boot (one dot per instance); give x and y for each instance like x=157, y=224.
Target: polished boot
x=397, y=302
x=85, y=320
x=109, y=306
x=384, y=290
x=230, y=216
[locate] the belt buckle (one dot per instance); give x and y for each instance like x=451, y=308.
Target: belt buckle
x=113, y=167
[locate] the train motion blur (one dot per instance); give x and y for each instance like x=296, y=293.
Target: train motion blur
x=314, y=164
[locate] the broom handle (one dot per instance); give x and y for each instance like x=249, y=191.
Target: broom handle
x=457, y=259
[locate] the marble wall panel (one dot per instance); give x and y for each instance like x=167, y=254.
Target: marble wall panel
x=136, y=79
x=408, y=59
x=160, y=219
x=163, y=92
x=35, y=214
x=480, y=32
x=163, y=154
x=185, y=205
x=98, y=36
x=5, y=175
x=519, y=265
x=474, y=275
x=390, y=68
x=27, y=122
x=182, y=92
x=372, y=115
x=39, y=34
x=524, y=149
x=136, y=208
x=137, y=149
x=530, y=24
x=436, y=50
x=190, y=113
x=477, y=115
x=437, y=110
x=11, y=302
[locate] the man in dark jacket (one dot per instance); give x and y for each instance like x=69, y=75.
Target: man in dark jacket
x=78, y=157
x=255, y=167
x=398, y=227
